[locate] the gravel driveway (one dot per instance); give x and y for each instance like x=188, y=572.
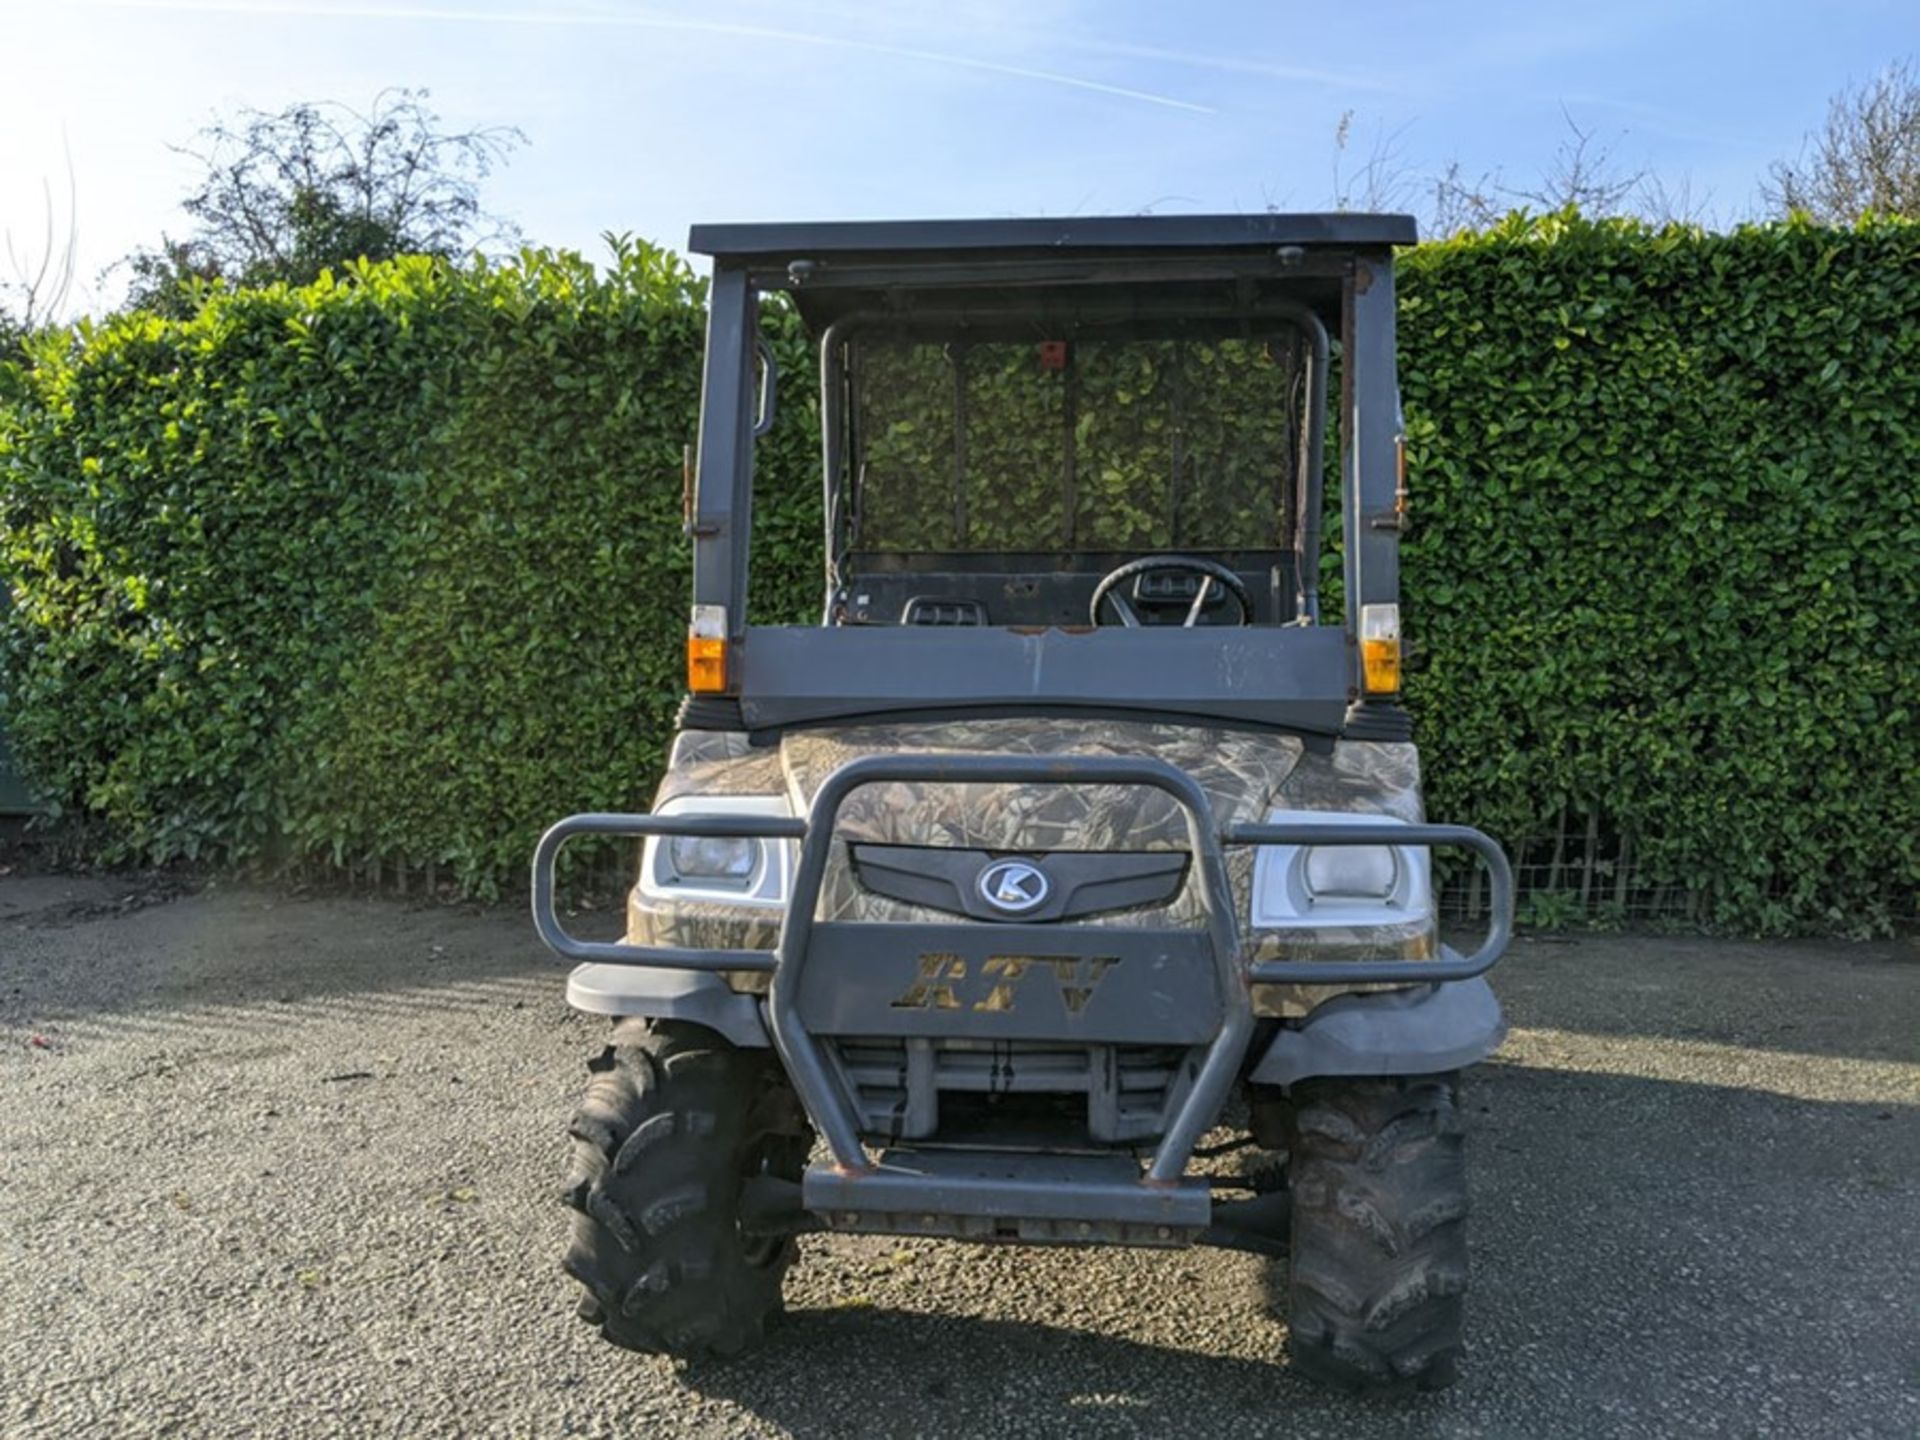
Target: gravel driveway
x=275, y=1166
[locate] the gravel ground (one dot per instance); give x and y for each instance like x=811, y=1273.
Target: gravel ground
x=275, y=1166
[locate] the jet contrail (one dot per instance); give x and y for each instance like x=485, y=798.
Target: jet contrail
x=633, y=21
x=1273, y=70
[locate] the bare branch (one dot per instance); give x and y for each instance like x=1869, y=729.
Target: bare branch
x=1865, y=160
x=1384, y=181
x=1582, y=173
x=1459, y=202
x=39, y=282
x=1673, y=204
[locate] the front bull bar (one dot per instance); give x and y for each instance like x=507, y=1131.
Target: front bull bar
x=831, y=1111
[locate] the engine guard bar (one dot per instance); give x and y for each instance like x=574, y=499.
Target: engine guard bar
x=800, y=1050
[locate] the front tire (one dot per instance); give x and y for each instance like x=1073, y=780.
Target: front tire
x=1377, y=1274
x=674, y=1120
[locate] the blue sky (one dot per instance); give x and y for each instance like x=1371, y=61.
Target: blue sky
x=646, y=117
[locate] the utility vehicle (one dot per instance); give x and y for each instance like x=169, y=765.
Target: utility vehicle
x=1074, y=845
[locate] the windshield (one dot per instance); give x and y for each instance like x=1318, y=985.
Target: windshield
x=1076, y=445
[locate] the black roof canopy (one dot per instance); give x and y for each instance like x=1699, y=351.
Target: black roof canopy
x=1068, y=235
x=1056, y=271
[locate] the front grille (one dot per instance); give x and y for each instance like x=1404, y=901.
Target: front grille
x=1059, y=885
x=897, y=1084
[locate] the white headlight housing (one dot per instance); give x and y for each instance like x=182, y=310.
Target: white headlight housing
x=707, y=867
x=1298, y=887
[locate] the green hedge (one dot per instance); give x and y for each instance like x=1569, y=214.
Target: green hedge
x=385, y=570
x=1667, y=556
x=390, y=569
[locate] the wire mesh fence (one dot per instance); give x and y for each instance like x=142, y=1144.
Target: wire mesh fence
x=596, y=878
x=1582, y=873
x=1589, y=873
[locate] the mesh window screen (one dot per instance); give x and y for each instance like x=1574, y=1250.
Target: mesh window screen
x=1133, y=445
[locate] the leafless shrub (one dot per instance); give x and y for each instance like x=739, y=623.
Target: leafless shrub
x=1865, y=160
x=39, y=276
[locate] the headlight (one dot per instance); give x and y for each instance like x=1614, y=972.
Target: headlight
x=707, y=857
x=1299, y=887
x=1350, y=872
x=711, y=867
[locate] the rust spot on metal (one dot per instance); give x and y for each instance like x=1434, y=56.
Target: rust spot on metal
x=1362, y=277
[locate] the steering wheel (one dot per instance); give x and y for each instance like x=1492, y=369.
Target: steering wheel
x=1210, y=572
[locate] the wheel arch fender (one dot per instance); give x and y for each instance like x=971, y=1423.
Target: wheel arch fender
x=660, y=994
x=1417, y=1031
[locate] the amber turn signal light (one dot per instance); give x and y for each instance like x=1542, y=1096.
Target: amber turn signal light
x=707, y=650
x=1380, y=649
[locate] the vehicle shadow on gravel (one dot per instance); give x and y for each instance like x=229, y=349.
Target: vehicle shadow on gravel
x=877, y=1371
x=1639, y=1245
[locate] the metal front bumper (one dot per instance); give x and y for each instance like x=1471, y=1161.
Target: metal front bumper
x=1157, y=985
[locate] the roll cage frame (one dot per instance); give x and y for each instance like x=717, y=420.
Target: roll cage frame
x=1330, y=274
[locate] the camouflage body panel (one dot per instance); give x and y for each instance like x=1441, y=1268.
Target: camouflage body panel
x=1240, y=772
x=711, y=762
x=1246, y=776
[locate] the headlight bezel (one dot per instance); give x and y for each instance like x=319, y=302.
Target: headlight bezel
x=1282, y=899
x=765, y=886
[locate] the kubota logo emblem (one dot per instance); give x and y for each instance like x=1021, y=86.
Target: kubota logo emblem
x=1014, y=886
